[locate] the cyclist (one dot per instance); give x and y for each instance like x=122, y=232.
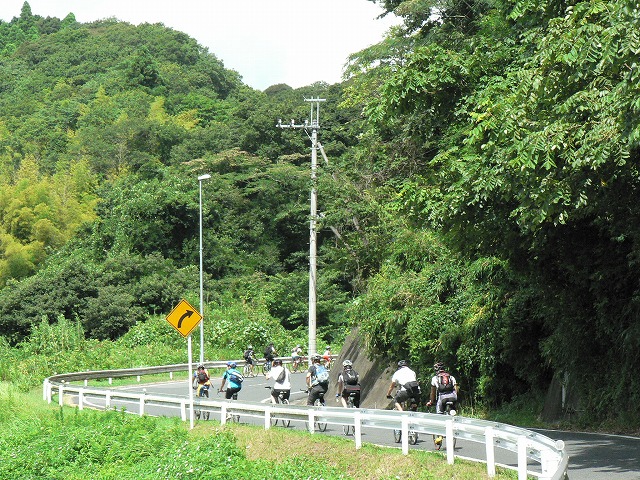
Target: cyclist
x=317, y=380
x=407, y=385
x=444, y=388
x=250, y=358
x=296, y=356
x=282, y=377
x=232, y=378
x=348, y=383
x=201, y=378
x=269, y=354
x=327, y=357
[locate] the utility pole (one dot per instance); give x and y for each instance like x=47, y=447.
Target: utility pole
x=313, y=124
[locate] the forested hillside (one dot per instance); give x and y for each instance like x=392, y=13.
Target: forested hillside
x=478, y=206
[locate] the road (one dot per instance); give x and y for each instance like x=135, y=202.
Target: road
x=592, y=456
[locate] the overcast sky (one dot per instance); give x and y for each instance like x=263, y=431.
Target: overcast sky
x=296, y=42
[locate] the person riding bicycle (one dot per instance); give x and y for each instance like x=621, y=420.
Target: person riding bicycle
x=250, y=358
x=232, y=378
x=407, y=385
x=296, y=355
x=317, y=380
x=444, y=388
x=201, y=378
x=269, y=354
x=348, y=383
x=326, y=356
x=282, y=377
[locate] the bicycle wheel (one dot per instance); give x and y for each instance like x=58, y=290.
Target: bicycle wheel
x=438, y=441
x=413, y=437
x=246, y=371
x=285, y=421
x=205, y=413
x=397, y=435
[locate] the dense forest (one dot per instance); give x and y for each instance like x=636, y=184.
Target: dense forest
x=478, y=205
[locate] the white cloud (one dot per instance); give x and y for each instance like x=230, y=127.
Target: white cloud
x=296, y=42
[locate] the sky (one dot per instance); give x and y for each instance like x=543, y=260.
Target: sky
x=297, y=42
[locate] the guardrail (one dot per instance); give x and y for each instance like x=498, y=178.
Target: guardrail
x=529, y=446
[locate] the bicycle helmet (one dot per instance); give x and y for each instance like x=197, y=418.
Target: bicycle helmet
x=402, y=363
x=316, y=358
x=347, y=363
x=249, y=347
x=438, y=367
x=232, y=364
x=200, y=366
x=277, y=361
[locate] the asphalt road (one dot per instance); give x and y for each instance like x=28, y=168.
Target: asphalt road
x=591, y=456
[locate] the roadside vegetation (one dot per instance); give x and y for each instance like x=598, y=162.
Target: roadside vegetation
x=73, y=444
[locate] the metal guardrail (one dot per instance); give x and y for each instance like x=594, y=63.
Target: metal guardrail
x=529, y=446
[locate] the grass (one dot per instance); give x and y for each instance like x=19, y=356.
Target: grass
x=73, y=444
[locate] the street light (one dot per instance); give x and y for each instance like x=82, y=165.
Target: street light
x=200, y=179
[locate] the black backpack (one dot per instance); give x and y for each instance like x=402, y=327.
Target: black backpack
x=350, y=376
x=445, y=383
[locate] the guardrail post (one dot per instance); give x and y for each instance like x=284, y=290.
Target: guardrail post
x=61, y=395
x=522, y=457
x=267, y=418
x=183, y=410
x=170, y=375
x=223, y=414
x=357, y=429
x=110, y=380
x=107, y=401
x=80, y=399
x=405, y=435
x=491, y=454
x=448, y=425
x=86, y=382
x=138, y=378
x=310, y=421
x=142, y=404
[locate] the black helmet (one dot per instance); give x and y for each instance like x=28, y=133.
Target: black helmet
x=200, y=366
x=438, y=367
x=277, y=361
x=316, y=358
x=402, y=363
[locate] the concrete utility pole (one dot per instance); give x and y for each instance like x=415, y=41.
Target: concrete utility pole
x=312, y=124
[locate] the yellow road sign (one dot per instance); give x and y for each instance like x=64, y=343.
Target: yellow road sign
x=184, y=318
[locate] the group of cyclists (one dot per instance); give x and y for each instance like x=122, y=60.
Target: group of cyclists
x=444, y=387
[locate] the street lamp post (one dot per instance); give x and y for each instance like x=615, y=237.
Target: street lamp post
x=200, y=179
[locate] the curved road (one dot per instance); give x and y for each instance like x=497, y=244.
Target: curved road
x=591, y=456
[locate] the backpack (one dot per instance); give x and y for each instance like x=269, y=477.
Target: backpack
x=268, y=352
x=236, y=377
x=350, y=376
x=282, y=376
x=202, y=377
x=445, y=384
x=322, y=374
x=248, y=354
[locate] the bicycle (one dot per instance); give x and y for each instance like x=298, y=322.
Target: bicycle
x=266, y=367
x=319, y=402
x=350, y=429
x=295, y=364
x=202, y=392
x=439, y=440
x=247, y=370
x=412, y=404
x=285, y=422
